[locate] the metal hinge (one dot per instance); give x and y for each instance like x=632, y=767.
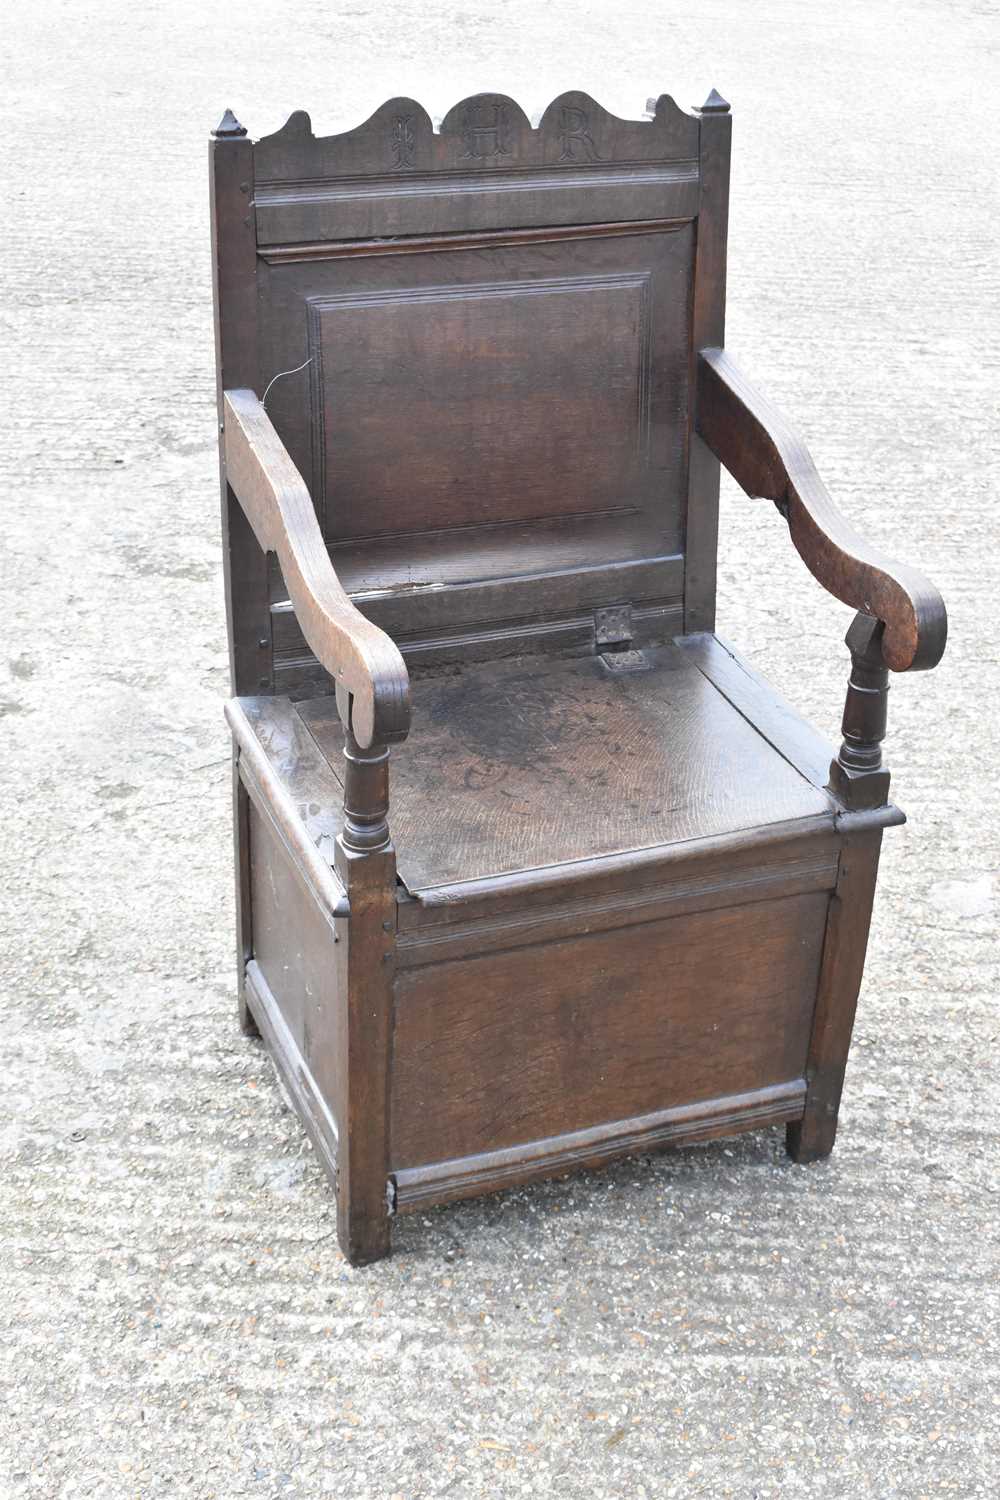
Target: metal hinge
x=613, y=636
x=613, y=627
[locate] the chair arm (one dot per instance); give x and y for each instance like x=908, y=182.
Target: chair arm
x=361, y=659
x=769, y=461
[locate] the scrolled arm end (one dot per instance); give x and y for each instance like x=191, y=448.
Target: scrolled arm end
x=768, y=460
x=379, y=712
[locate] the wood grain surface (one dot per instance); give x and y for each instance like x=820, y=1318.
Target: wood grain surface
x=554, y=1037
x=768, y=459
x=358, y=656
x=499, y=400
x=483, y=395
x=512, y=766
x=483, y=168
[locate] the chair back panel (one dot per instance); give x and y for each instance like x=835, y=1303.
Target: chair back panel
x=487, y=330
x=486, y=385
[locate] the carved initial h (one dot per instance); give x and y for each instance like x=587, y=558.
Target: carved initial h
x=485, y=136
x=574, y=129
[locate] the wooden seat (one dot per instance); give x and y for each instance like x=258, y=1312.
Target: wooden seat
x=532, y=870
x=515, y=766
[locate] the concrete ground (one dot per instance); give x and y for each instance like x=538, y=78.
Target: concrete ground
x=713, y=1322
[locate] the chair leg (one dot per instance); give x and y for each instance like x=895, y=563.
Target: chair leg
x=244, y=930
x=364, y=1230
x=365, y=980
x=842, y=966
x=366, y=865
x=811, y=1138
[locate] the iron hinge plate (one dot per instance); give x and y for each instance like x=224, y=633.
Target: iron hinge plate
x=624, y=661
x=613, y=627
x=613, y=637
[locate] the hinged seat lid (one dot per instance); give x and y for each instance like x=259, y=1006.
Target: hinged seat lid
x=540, y=762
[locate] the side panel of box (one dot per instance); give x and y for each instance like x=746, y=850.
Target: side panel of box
x=293, y=984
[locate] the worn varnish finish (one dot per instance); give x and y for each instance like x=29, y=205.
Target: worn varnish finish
x=234, y=263
x=531, y=763
x=542, y=1040
x=359, y=657
x=844, y=951
x=611, y=893
x=766, y=457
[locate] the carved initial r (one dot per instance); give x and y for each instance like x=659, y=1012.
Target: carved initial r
x=574, y=129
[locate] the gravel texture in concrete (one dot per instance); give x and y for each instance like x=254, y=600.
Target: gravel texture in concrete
x=712, y=1322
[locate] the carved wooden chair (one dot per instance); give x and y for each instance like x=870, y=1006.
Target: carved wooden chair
x=610, y=894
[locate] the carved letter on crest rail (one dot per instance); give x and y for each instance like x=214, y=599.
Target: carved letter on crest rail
x=574, y=128
x=402, y=140
x=484, y=130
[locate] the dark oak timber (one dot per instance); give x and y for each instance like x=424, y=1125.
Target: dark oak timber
x=701, y=532
x=414, y=1188
x=234, y=273
x=365, y=975
x=358, y=655
x=244, y=904
x=244, y=564
x=857, y=775
x=533, y=762
x=533, y=871
x=768, y=459
x=843, y=964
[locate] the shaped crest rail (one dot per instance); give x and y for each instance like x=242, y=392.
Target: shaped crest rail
x=485, y=167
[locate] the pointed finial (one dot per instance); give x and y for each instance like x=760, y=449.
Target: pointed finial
x=229, y=126
x=715, y=104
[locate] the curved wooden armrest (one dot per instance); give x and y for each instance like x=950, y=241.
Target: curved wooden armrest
x=768, y=460
x=360, y=658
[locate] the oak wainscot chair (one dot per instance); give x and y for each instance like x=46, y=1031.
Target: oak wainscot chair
x=607, y=893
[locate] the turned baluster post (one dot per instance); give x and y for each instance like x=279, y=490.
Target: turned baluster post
x=366, y=795
x=857, y=776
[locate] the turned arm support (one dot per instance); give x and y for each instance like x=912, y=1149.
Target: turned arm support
x=769, y=461
x=373, y=690
x=857, y=775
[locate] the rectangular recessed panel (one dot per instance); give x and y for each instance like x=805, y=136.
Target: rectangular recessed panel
x=293, y=947
x=556, y=1037
x=480, y=404
x=496, y=391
